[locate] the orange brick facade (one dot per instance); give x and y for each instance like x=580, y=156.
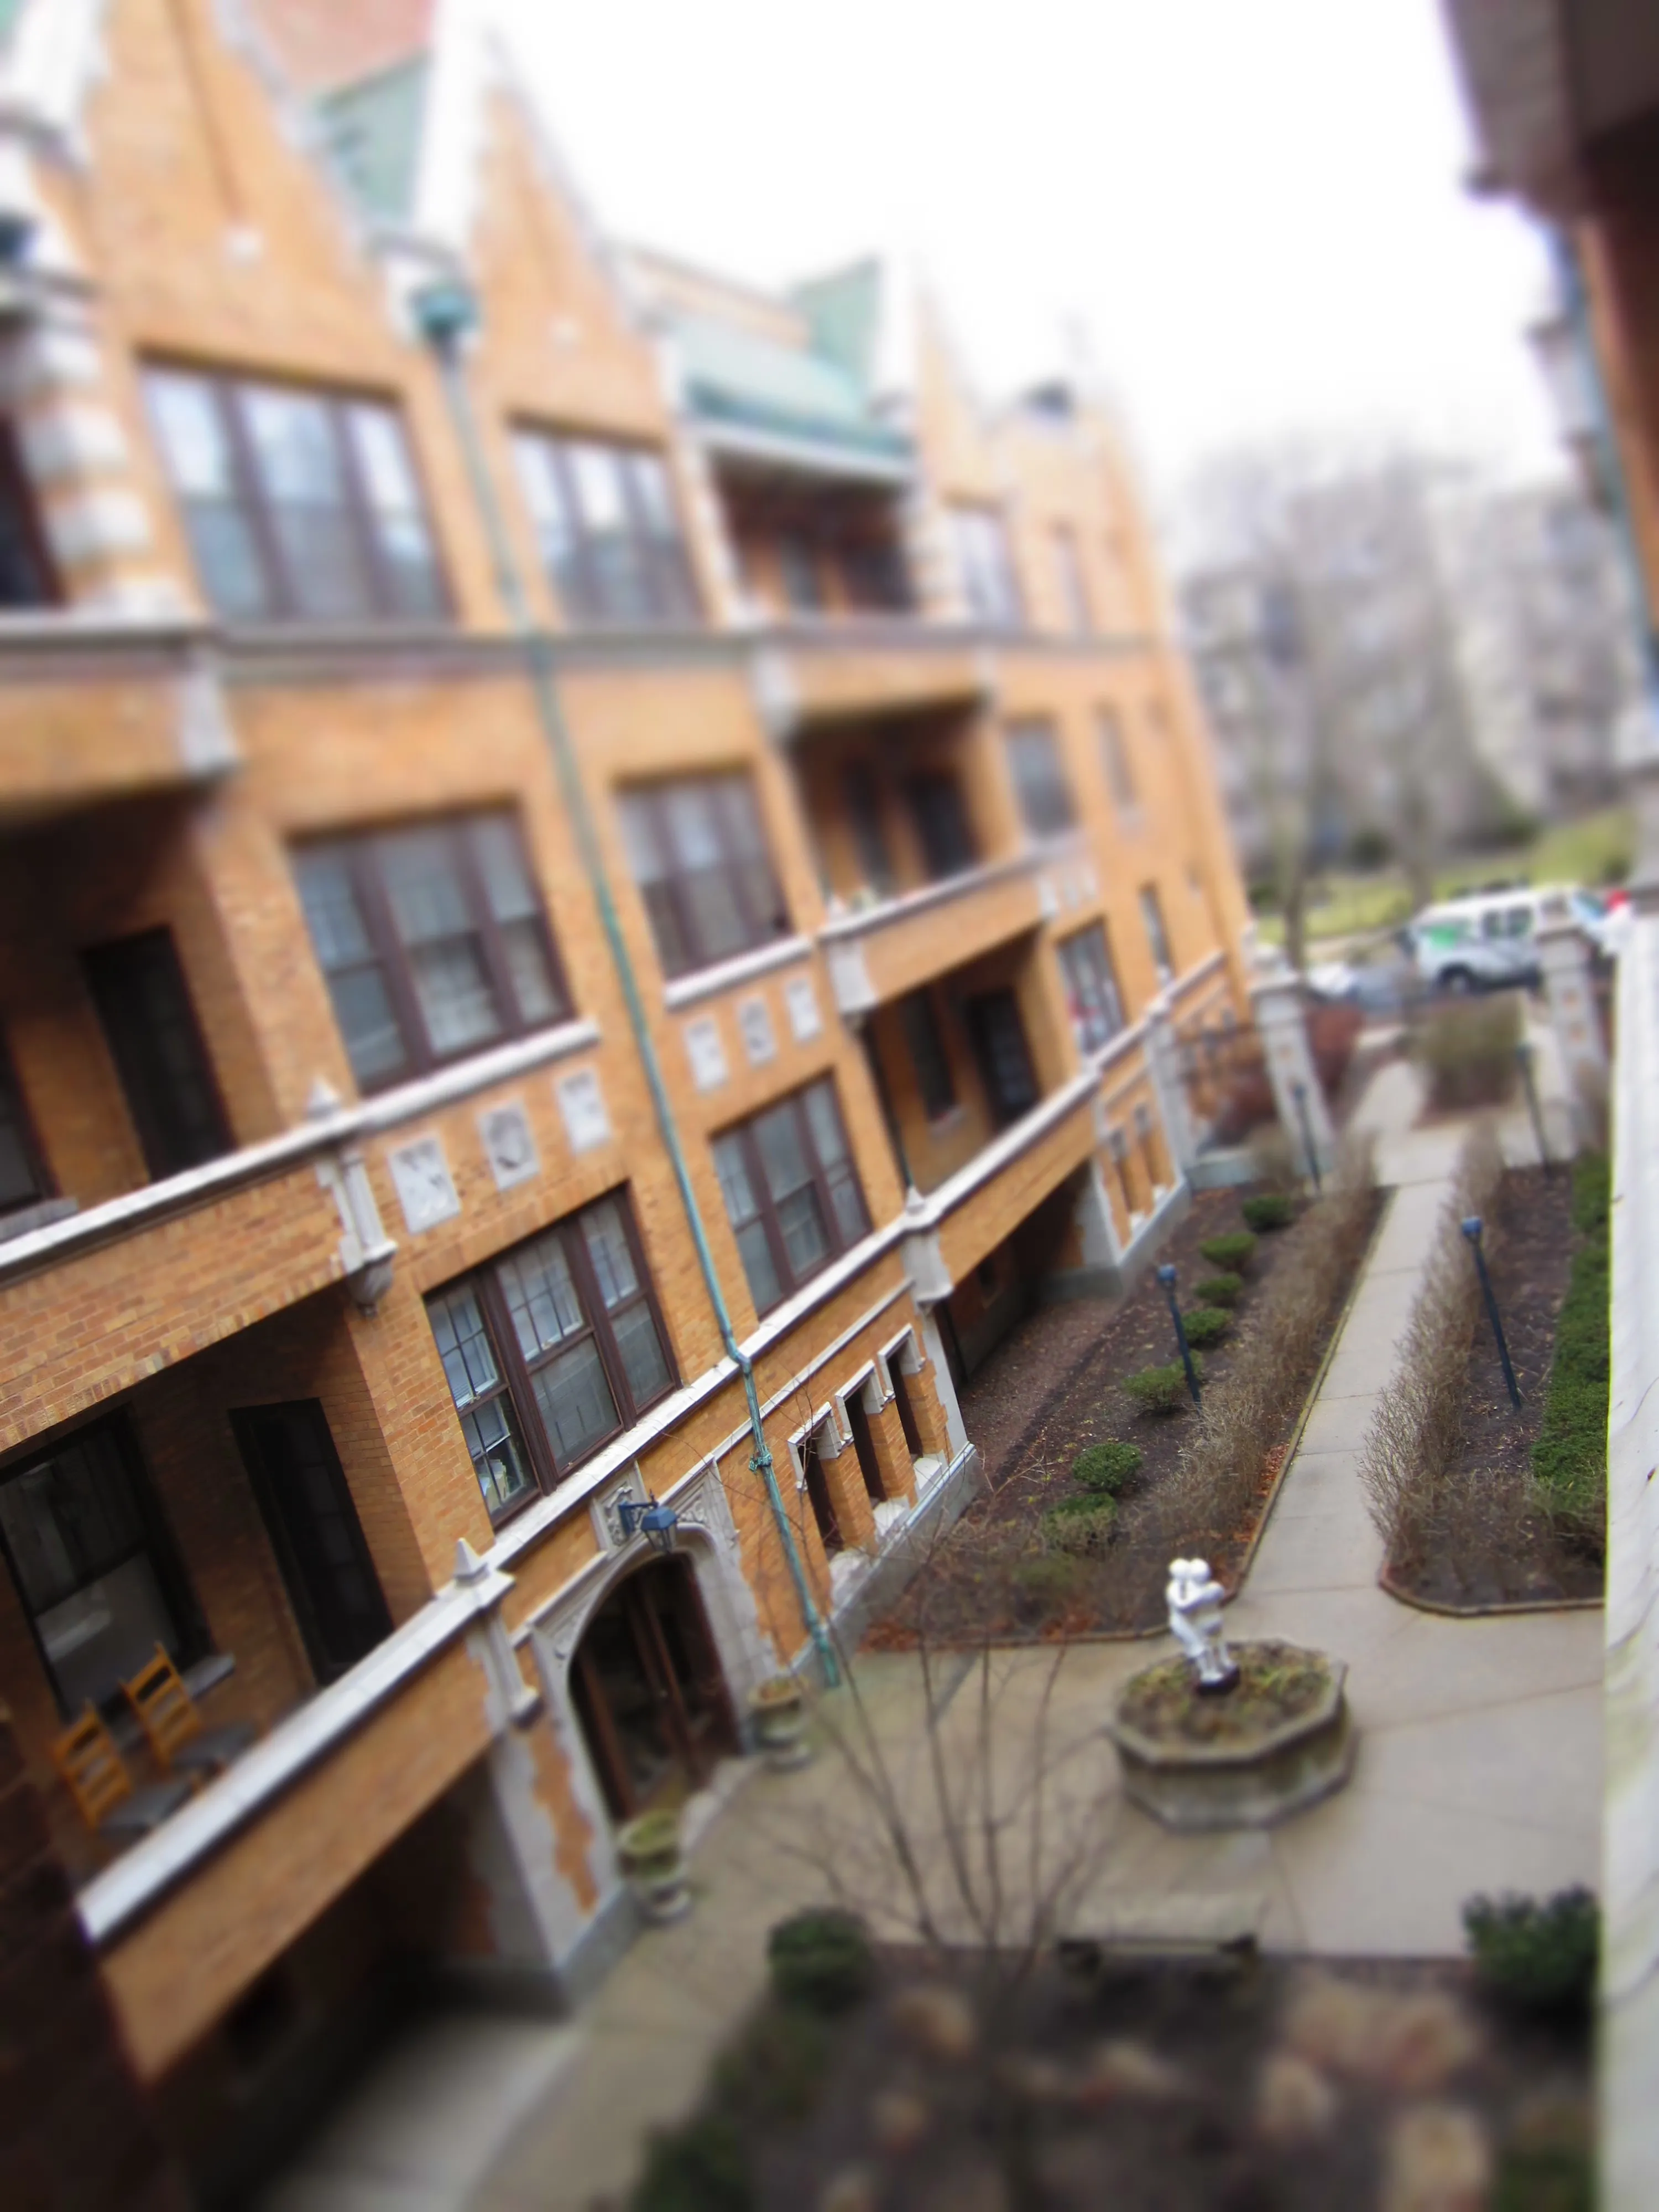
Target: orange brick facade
x=158, y=771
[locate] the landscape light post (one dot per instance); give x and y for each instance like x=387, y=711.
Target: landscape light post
x=1166, y=1275
x=1471, y=1228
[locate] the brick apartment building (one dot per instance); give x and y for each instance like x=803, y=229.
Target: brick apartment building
x=433, y=763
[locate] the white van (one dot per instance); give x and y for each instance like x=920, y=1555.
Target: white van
x=1485, y=940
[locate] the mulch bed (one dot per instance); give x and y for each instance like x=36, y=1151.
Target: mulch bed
x=1514, y=1555
x=1047, y=1391
x=1224, y=2083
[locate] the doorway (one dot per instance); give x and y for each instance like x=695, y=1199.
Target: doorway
x=649, y=1692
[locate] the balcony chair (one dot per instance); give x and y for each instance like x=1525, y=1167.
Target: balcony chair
x=171, y=1722
x=96, y=1775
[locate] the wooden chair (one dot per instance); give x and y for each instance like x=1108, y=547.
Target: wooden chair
x=171, y=1722
x=96, y=1775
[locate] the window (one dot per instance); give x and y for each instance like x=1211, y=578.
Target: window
x=1040, y=785
x=797, y=569
x=1114, y=759
x=298, y=505
x=550, y=1351
x=1151, y=915
x=940, y=821
x=998, y=1031
x=149, y=1025
x=92, y=1565
x=873, y=576
x=988, y=582
x=609, y=534
x=919, y=1020
x=1068, y=572
x=25, y=575
x=1091, y=993
x=862, y=796
x=433, y=942
x=699, y=855
x=792, y=1193
x=23, y=1177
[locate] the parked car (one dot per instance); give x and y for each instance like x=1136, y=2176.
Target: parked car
x=1487, y=940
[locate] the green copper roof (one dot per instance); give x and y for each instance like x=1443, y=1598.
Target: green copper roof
x=733, y=376
x=844, y=312
x=372, y=129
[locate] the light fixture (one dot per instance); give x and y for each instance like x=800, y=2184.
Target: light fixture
x=656, y=1523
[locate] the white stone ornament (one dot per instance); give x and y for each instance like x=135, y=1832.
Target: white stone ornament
x=509, y=1144
x=425, y=1190
x=1194, y=1598
x=581, y=1102
x=705, y=1052
x=755, y=1022
x=801, y=1001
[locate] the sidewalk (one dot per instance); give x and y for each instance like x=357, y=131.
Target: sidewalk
x=1478, y=1769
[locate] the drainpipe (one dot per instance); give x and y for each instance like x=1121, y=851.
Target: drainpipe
x=444, y=314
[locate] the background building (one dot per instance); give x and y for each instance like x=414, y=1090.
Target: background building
x=596, y=870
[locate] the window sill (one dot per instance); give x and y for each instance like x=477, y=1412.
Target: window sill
x=707, y=982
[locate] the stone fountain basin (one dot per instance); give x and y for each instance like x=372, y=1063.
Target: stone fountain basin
x=1258, y=1765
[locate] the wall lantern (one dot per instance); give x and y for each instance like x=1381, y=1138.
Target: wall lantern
x=656, y=1523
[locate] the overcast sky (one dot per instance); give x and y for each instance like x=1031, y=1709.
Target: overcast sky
x=1253, y=207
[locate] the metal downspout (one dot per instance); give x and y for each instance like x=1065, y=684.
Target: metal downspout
x=444, y=327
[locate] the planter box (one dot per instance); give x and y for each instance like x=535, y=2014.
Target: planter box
x=1198, y=1787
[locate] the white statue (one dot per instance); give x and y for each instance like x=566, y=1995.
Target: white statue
x=1194, y=1597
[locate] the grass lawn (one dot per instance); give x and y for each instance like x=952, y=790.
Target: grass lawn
x=1597, y=848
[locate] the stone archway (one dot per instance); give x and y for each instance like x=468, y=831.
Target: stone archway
x=649, y=1693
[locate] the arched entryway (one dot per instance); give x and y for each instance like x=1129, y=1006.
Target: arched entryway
x=649, y=1692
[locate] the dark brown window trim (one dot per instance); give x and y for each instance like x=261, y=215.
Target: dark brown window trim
x=670, y=580
x=225, y=387
x=766, y=920
x=518, y=1384
x=1036, y=765
x=358, y=849
x=767, y=1214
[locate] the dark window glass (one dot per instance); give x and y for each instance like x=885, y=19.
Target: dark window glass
x=301, y=1488
x=862, y=796
x=919, y=1020
x=1004, y=1055
x=941, y=823
x=609, y=534
x=1040, y=785
x=1091, y=993
x=300, y=505
x=817, y=1494
x=149, y=1025
x=1152, y=915
x=988, y=582
x=873, y=575
x=433, y=941
x=1114, y=759
x=93, y=1565
x=698, y=853
x=792, y=1193
x=25, y=574
x=550, y=1350
x=23, y=1177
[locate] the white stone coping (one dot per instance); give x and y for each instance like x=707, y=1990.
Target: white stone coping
x=888, y=913
x=29, y=633
x=117, y=1896
x=1119, y=1047
x=725, y=975
x=158, y=1201
x=1630, y=1884
x=1184, y=984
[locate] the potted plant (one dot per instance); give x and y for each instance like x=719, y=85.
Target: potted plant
x=778, y=1711
x=652, y=1861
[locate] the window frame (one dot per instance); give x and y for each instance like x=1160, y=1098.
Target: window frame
x=226, y=389
x=919, y=1011
x=357, y=848
x=517, y=1375
x=1069, y=951
x=664, y=563
x=1047, y=802
x=151, y=1097
x=15, y=1110
x=918, y=790
x=743, y=1132
x=156, y=1545
x=647, y=804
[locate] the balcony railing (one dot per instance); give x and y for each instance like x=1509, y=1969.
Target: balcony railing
x=884, y=950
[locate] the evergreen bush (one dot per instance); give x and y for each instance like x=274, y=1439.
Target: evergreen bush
x=821, y=1959
x=1222, y=1290
x=1234, y=1251
x=1080, y=1526
x=1104, y=1468
x=1541, y=1956
x=1205, y=1325
x=1268, y=1209
x=1160, y=1389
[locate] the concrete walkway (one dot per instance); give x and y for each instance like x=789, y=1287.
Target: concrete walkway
x=1478, y=1769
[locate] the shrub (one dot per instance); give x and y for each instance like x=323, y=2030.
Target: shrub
x=1205, y=1325
x=1268, y=1209
x=1048, y=1581
x=1275, y=1162
x=699, y=2167
x=821, y=1959
x=1104, y=1468
x=1079, y=1526
x=1234, y=1251
x=1159, y=1389
x=1541, y=1956
x=1467, y=1051
x=1220, y=1289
